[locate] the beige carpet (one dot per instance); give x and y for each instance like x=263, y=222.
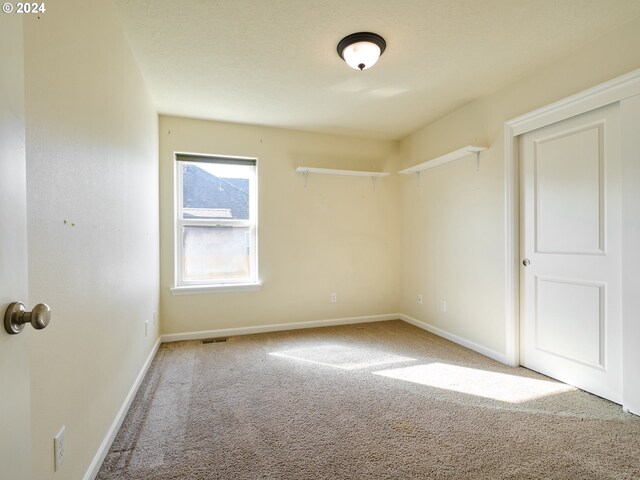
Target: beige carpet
x=375, y=401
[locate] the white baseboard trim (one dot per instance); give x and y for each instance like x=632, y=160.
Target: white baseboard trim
x=487, y=352
x=228, y=332
x=100, y=455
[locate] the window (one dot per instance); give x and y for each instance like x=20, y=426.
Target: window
x=216, y=228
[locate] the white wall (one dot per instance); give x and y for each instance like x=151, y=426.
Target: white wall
x=337, y=235
x=453, y=240
x=92, y=196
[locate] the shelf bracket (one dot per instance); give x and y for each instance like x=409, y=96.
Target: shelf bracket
x=373, y=183
x=306, y=177
x=477, y=161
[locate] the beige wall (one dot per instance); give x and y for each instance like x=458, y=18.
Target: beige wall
x=92, y=196
x=452, y=236
x=336, y=235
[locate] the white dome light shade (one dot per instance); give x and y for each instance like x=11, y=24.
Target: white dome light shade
x=361, y=50
x=361, y=55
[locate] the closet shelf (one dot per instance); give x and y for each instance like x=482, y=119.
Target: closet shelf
x=331, y=171
x=441, y=160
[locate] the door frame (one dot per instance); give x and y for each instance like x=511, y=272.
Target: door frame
x=606, y=93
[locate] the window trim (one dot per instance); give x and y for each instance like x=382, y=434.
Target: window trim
x=222, y=288
x=251, y=283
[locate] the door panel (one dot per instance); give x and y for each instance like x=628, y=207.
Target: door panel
x=568, y=191
x=569, y=320
x=15, y=428
x=570, y=233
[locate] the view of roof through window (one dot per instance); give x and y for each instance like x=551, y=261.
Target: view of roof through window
x=215, y=191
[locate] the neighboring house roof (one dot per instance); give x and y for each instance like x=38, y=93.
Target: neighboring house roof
x=213, y=196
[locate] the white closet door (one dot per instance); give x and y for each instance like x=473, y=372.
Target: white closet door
x=570, y=239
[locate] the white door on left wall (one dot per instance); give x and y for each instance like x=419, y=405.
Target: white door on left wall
x=15, y=396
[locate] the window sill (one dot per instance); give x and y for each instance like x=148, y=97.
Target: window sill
x=227, y=288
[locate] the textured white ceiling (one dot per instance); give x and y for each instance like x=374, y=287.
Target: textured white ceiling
x=274, y=62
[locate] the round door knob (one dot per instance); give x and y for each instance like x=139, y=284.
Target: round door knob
x=526, y=262
x=17, y=316
x=39, y=317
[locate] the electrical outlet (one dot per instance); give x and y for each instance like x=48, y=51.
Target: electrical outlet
x=58, y=449
x=443, y=305
x=420, y=300
x=334, y=298
x=146, y=327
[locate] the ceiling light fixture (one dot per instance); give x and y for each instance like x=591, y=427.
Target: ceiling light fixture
x=361, y=50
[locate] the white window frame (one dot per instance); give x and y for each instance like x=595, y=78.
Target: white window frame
x=223, y=285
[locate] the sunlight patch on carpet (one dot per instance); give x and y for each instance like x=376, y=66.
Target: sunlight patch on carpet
x=481, y=383
x=341, y=356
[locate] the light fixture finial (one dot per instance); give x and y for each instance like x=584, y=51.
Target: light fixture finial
x=361, y=50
